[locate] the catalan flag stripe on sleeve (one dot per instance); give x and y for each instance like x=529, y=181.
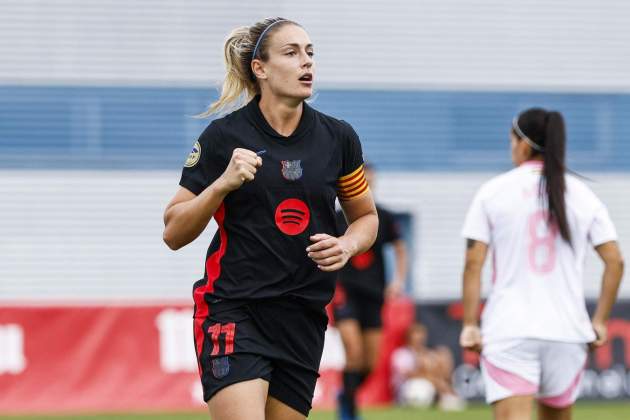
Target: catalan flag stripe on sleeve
x=353, y=185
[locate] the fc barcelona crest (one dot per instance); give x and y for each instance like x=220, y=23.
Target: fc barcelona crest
x=220, y=367
x=291, y=169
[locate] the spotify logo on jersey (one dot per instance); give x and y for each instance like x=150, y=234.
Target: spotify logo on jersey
x=292, y=216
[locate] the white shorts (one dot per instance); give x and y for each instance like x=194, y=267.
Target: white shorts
x=550, y=370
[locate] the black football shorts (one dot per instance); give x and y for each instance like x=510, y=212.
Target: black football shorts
x=349, y=304
x=279, y=340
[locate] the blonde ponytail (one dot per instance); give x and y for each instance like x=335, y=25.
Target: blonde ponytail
x=239, y=86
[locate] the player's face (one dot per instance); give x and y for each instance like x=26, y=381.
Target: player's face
x=289, y=70
x=520, y=150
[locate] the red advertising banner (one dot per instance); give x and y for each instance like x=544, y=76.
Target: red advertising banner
x=125, y=358
x=97, y=358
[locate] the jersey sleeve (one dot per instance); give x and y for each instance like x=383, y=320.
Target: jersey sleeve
x=203, y=166
x=602, y=229
x=477, y=224
x=352, y=183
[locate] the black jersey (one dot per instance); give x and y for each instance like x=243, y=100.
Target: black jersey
x=365, y=273
x=259, y=250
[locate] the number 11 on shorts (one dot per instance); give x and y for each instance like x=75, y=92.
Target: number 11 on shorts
x=229, y=330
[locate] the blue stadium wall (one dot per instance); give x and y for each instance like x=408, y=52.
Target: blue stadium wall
x=66, y=127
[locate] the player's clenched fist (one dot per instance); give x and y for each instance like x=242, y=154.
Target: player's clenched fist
x=242, y=168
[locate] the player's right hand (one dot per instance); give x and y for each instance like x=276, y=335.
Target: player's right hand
x=470, y=338
x=242, y=168
x=329, y=252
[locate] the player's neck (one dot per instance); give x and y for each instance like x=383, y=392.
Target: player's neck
x=536, y=161
x=282, y=115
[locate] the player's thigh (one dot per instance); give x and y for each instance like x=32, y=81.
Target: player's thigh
x=513, y=408
x=350, y=332
x=551, y=413
x=369, y=314
x=562, y=371
x=348, y=324
x=240, y=401
x=371, y=345
x=510, y=369
x=277, y=410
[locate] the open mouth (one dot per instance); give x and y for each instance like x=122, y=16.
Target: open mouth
x=306, y=77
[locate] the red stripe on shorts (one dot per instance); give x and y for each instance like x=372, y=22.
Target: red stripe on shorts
x=213, y=271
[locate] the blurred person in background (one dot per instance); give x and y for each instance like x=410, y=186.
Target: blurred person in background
x=423, y=375
x=361, y=291
x=270, y=269
x=540, y=222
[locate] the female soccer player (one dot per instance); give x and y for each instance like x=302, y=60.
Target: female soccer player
x=539, y=222
x=359, y=299
x=269, y=173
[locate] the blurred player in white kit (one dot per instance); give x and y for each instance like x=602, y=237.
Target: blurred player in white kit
x=539, y=222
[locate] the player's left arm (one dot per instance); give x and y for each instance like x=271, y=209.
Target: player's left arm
x=610, y=254
x=332, y=253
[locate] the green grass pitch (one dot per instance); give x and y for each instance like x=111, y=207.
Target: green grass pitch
x=583, y=411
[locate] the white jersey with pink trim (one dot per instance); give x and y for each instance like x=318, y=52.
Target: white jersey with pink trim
x=537, y=289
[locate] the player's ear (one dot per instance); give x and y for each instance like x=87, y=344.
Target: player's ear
x=258, y=68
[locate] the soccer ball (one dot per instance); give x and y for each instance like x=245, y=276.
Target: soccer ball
x=417, y=392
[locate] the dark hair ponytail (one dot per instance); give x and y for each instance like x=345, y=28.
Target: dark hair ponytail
x=547, y=131
x=553, y=172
